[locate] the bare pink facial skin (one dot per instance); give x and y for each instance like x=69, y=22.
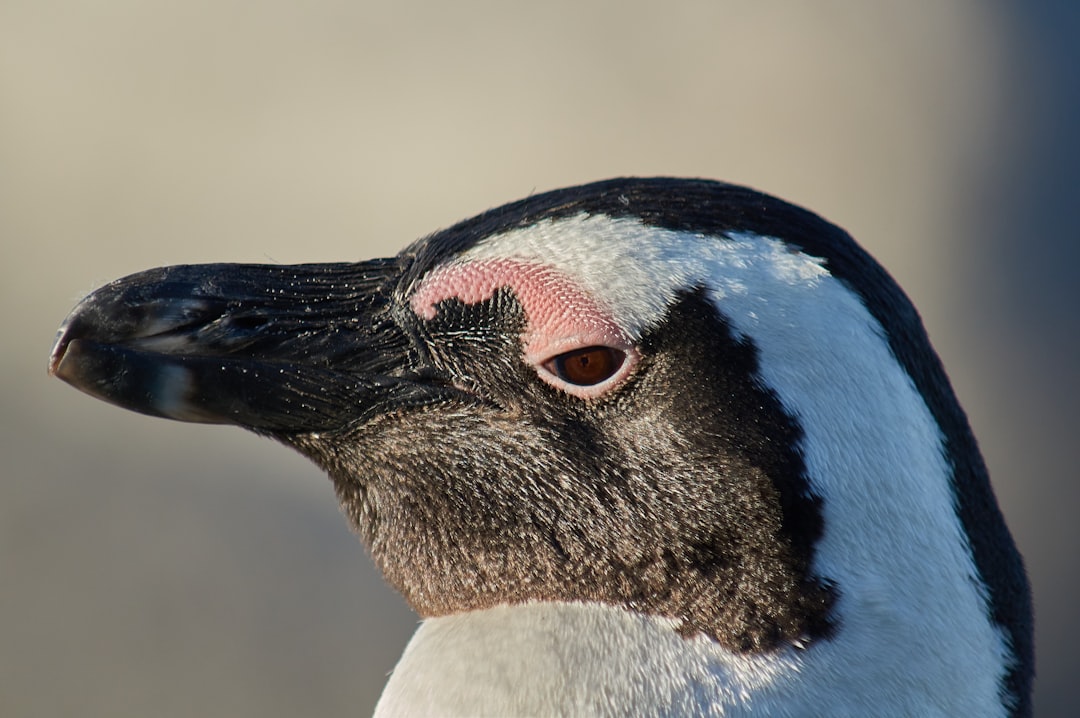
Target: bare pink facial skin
x=560, y=316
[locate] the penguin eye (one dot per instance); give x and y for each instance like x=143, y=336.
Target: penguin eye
x=588, y=366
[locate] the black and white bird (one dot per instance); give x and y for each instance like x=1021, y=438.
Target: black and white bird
x=639, y=447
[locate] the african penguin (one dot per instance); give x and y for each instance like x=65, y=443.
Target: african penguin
x=638, y=447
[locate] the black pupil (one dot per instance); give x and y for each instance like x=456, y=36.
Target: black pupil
x=588, y=366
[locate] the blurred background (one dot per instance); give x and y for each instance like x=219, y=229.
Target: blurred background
x=151, y=568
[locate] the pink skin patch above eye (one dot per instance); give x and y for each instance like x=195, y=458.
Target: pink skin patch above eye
x=560, y=315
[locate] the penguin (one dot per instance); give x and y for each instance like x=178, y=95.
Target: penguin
x=646, y=446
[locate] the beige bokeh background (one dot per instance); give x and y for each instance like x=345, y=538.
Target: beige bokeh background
x=149, y=568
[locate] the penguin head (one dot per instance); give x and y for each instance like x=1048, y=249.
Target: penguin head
x=678, y=397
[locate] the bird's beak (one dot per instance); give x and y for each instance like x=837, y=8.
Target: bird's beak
x=276, y=349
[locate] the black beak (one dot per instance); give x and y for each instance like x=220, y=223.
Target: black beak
x=277, y=349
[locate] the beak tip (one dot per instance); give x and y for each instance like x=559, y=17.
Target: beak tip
x=68, y=363
x=59, y=350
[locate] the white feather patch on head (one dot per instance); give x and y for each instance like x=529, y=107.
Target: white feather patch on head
x=635, y=270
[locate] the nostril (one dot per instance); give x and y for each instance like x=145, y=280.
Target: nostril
x=250, y=322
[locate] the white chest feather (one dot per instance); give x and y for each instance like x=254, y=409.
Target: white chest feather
x=592, y=660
